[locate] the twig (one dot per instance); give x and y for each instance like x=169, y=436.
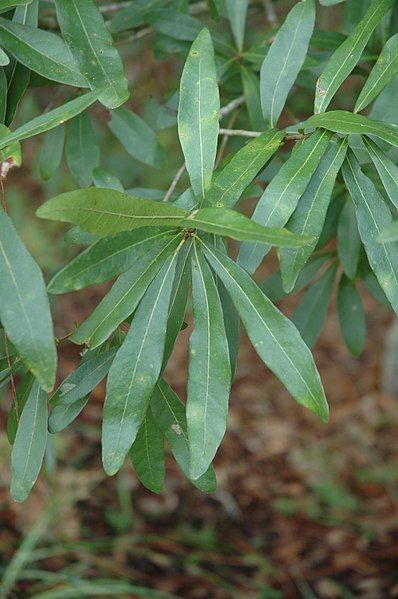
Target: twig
x=174, y=183
x=244, y=133
x=231, y=106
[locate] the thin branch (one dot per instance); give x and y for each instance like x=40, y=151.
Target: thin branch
x=245, y=133
x=174, y=183
x=231, y=106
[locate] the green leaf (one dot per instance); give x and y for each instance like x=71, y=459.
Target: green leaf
x=76, y=236
x=388, y=171
x=280, y=199
x=237, y=226
x=274, y=337
x=229, y=184
x=18, y=405
x=251, y=91
x=4, y=58
x=349, y=242
x=82, y=151
x=123, y=298
x=178, y=300
x=50, y=119
x=132, y=15
x=107, y=211
x=309, y=217
x=285, y=58
x=209, y=377
x=3, y=95
x=373, y=216
x=389, y=234
x=41, y=51
x=63, y=414
x=147, y=454
x=348, y=123
x=6, y=4
x=84, y=30
x=351, y=316
x=51, y=152
x=106, y=180
x=344, y=59
x=384, y=70
x=310, y=314
x=24, y=308
x=135, y=370
x=137, y=138
x=237, y=10
x=169, y=413
x=198, y=113
x=30, y=444
x=109, y=257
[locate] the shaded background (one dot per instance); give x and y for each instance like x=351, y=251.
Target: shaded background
x=302, y=509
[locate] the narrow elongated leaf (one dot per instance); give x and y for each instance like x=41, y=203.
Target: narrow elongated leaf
x=178, y=300
x=24, y=307
x=41, y=51
x=147, y=454
x=372, y=216
x=18, y=405
x=384, y=70
x=387, y=169
x=285, y=58
x=344, y=59
x=123, y=298
x=4, y=58
x=62, y=415
x=109, y=257
x=135, y=370
x=237, y=10
x=137, y=138
x=237, y=226
x=309, y=217
x=209, y=378
x=51, y=152
x=3, y=95
x=132, y=15
x=351, y=316
x=82, y=150
x=230, y=183
x=198, y=113
x=169, y=413
x=84, y=30
x=349, y=242
x=107, y=211
x=274, y=337
x=280, y=199
x=310, y=314
x=341, y=121
x=5, y=4
x=251, y=91
x=389, y=233
x=30, y=444
x=50, y=119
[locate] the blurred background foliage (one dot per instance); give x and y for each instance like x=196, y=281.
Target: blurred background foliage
x=302, y=509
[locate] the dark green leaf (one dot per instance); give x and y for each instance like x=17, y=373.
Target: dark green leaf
x=285, y=58
x=135, y=370
x=169, y=412
x=24, y=308
x=76, y=236
x=41, y=51
x=344, y=59
x=123, y=298
x=351, y=316
x=84, y=30
x=274, y=337
x=82, y=151
x=348, y=123
x=384, y=70
x=349, y=242
x=230, y=183
x=209, y=378
x=309, y=217
x=133, y=15
x=388, y=171
x=109, y=257
x=63, y=414
x=51, y=152
x=198, y=113
x=137, y=138
x=18, y=405
x=232, y=224
x=106, y=180
x=107, y=211
x=147, y=454
x=30, y=444
x=50, y=119
x=373, y=216
x=237, y=10
x=251, y=91
x=310, y=314
x=280, y=199
x=3, y=95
